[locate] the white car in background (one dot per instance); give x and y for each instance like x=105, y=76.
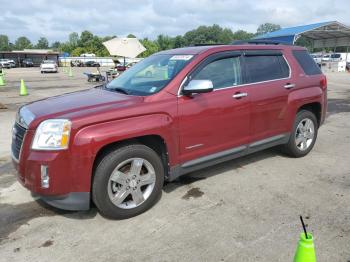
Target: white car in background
x=48, y=66
x=10, y=62
x=4, y=63
x=317, y=58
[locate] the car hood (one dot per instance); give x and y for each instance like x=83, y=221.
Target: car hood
x=79, y=105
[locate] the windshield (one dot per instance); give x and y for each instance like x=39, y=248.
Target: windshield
x=48, y=62
x=150, y=75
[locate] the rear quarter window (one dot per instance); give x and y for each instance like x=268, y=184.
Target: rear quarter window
x=265, y=67
x=306, y=62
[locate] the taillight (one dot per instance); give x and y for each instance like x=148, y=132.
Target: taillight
x=323, y=82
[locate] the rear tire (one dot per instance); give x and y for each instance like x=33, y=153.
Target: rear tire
x=127, y=181
x=303, y=135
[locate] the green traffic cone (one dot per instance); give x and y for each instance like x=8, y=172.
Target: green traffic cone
x=305, y=250
x=70, y=72
x=23, y=89
x=2, y=81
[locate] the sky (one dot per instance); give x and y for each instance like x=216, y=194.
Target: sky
x=56, y=19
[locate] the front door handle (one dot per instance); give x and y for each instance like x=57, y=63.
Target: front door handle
x=239, y=95
x=289, y=86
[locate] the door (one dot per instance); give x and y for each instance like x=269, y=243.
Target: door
x=218, y=120
x=267, y=75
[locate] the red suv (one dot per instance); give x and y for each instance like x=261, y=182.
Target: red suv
x=117, y=143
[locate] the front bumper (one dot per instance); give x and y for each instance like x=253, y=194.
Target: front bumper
x=74, y=201
x=69, y=175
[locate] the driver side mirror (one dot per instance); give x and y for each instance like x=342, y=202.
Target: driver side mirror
x=198, y=86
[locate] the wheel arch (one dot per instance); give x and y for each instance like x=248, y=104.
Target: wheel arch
x=155, y=142
x=315, y=108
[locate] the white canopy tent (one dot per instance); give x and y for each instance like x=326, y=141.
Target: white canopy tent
x=125, y=47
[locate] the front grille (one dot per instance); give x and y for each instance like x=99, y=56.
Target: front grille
x=18, y=133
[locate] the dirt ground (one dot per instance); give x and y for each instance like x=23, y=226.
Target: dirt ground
x=242, y=210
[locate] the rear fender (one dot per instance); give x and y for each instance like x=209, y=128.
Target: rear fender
x=300, y=97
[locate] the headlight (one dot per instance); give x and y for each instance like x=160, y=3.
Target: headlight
x=52, y=134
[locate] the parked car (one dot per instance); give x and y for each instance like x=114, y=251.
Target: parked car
x=48, y=66
x=118, y=143
x=92, y=64
x=27, y=62
x=5, y=64
x=11, y=62
x=76, y=63
x=335, y=57
x=122, y=67
x=317, y=58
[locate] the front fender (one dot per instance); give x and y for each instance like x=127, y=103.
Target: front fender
x=89, y=140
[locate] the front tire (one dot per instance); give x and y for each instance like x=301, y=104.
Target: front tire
x=304, y=134
x=127, y=181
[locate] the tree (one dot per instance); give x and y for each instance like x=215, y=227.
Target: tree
x=131, y=36
x=22, y=43
x=267, y=28
x=77, y=51
x=164, y=42
x=42, y=43
x=55, y=45
x=73, y=39
x=178, y=41
x=85, y=38
x=151, y=47
x=208, y=35
x=242, y=35
x=4, y=43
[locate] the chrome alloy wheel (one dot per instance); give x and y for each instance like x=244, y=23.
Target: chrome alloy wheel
x=304, y=134
x=131, y=183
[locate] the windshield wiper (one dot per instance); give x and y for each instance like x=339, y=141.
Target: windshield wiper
x=117, y=89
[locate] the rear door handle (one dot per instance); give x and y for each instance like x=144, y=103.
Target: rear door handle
x=239, y=95
x=289, y=86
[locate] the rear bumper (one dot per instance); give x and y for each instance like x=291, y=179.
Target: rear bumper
x=48, y=69
x=74, y=201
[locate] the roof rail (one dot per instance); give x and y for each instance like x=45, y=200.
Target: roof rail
x=208, y=44
x=259, y=42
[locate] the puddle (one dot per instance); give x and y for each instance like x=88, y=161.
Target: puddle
x=338, y=106
x=194, y=193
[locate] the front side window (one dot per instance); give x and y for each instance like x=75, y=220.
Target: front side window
x=223, y=73
x=265, y=67
x=150, y=75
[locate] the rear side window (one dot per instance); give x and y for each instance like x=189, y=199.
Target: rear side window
x=306, y=62
x=223, y=73
x=265, y=67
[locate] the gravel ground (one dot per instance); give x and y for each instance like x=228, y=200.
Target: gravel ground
x=242, y=210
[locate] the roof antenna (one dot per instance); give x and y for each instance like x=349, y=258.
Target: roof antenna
x=302, y=222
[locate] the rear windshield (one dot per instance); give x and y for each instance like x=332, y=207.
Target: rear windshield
x=306, y=62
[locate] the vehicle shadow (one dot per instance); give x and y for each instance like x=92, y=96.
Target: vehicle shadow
x=221, y=168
